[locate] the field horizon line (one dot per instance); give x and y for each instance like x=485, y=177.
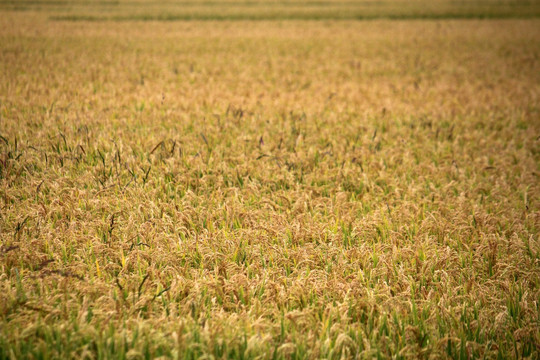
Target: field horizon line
x=293, y=17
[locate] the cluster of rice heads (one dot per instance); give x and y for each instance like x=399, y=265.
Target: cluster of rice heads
x=273, y=189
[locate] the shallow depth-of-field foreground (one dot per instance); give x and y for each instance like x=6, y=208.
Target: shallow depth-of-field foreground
x=269, y=188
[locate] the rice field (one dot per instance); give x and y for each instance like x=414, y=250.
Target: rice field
x=270, y=180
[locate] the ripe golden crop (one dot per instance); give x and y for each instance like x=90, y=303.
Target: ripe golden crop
x=267, y=188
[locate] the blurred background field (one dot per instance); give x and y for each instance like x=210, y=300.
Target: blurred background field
x=276, y=10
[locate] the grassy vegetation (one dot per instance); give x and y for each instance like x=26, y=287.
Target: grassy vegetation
x=272, y=189
x=275, y=10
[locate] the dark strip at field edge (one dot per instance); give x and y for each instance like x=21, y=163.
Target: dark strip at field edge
x=263, y=17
